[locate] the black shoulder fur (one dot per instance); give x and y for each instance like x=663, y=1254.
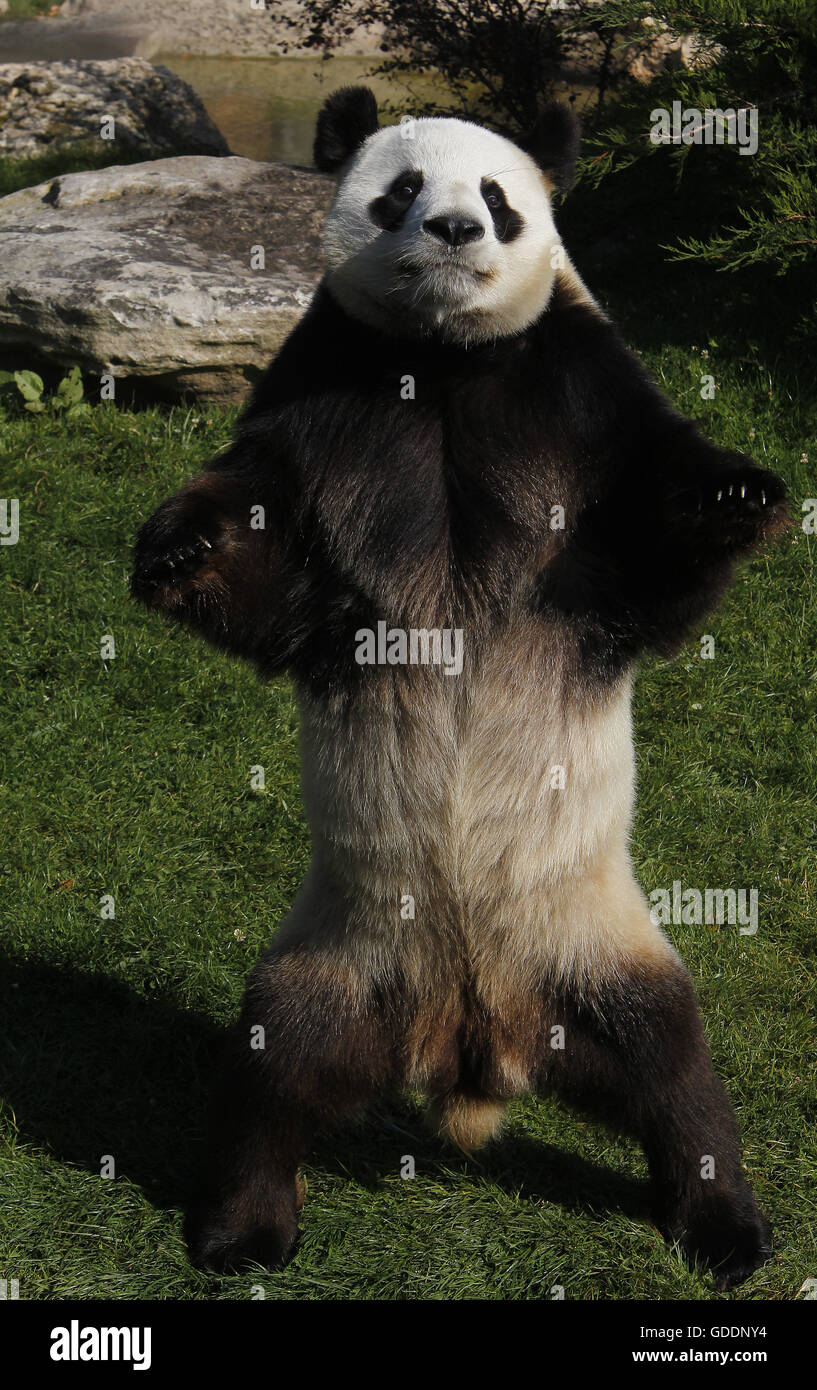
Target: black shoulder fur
x=437, y=509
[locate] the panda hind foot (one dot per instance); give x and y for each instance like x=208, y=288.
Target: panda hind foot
x=217, y=1244
x=731, y=1246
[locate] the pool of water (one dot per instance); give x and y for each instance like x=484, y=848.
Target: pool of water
x=266, y=107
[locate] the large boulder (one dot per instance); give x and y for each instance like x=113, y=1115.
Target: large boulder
x=143, y=107
x=153, y=272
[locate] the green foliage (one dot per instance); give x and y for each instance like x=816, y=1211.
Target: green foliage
x=768, y=236
x=67, y=398
x=758, y=209
x=499, y=58
x=26, y=9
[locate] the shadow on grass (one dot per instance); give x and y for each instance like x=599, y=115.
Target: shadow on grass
x=529, y=1168
x=90, y=1068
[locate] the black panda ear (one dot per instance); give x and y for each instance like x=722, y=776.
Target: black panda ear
x=554, y=143
x=345, y=120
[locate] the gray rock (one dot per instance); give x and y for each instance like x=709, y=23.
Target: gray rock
x=53, y=39
x=48, y=105
x=144, y=271
x=219, y=26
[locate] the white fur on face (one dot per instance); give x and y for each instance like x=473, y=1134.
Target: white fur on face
x=407, y=281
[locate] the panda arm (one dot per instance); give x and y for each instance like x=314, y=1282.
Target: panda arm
x=663, y=521
x=216, y=556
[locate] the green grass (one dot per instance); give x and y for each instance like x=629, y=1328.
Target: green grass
x=132, y=777
x=26, y=9
x=68, y=159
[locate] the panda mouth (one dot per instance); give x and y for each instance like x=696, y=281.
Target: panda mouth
x=451, y=266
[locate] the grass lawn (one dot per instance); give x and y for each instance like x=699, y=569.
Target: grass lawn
x=131, y=777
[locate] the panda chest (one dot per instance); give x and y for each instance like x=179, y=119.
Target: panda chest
x=440, y=501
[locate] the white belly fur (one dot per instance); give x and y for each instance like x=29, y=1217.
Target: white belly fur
x=440, y=787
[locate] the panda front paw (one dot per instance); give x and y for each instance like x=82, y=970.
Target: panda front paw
x=746, y=493
x=166, y=557
x=735, y=508
x=169, y=566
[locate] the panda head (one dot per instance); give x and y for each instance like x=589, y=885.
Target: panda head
x=440, y=226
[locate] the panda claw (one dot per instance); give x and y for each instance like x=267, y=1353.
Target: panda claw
x=744, y=502
x=746, y=493
x=172, y=566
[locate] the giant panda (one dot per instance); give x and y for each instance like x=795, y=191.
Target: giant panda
x=454, y=440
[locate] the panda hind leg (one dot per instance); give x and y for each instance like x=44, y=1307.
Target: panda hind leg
x=308, y=1051
x=636, y=1058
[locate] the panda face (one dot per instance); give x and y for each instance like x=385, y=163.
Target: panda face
x=441, y=227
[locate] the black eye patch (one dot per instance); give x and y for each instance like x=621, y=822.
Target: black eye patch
x=508, y=223
x=391, y=207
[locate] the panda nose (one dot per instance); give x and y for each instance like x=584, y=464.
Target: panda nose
x=454, y=231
